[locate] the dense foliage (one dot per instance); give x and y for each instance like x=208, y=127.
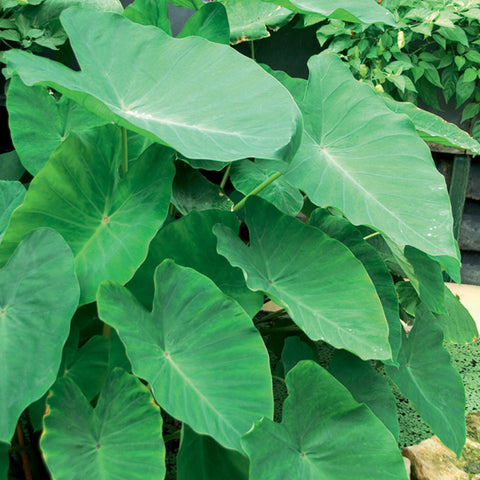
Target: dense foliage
x=172, y=187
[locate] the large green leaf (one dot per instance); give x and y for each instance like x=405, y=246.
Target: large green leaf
x=149, y=88
x=202, y=458
x=190, y=242
x=120, y=438
x=427, y=378
x=246, y=175
x=108, y=222
x=324, y=435
x=11, y=196
x=210, y=22
x=358, y=156
x=149, y=12
x=323, y=287
x=367, y=386
x=343, y=231
x=364, y=11
x=433, y=128
x=34, y=138
x=198, y=349
x=249, y=19
x=38, y=297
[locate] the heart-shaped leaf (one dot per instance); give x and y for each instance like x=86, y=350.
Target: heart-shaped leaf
x=323, y=287
x=363, y=11
x=190, y=242
x=35, y=139
x=249, y=19
x=11, y=196
x=204, y=360
x=38, y=297
x=246, y=175
x=358, y=156
x=202, y=458
x=4, y=460
x=324, y=434
x=427, y=378
x=108, y=222
x=120, y=438
x=214, y=117
x=343, y=231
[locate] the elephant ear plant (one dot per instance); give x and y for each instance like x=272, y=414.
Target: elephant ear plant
x=134, y=274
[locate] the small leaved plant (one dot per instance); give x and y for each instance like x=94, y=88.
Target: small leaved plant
x=173, y=187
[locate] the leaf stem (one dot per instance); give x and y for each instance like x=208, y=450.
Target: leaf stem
x=269, y=317
x=256, y=190
x=252, y=50
x=225, y=177
x=23, y=453
x=124, y=152
x=371, y=235
x=279, y=379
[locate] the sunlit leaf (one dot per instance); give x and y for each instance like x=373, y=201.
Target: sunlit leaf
x=358, y=156
x=323, y=287
x=214, y=117
x=120, y=438
x=11, y=196
x=108, y=222
x=320, y=435
x=205, y=362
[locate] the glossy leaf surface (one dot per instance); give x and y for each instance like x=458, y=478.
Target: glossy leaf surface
x=210, y=22
x=343, y=231
x=205, y=362
x=202, y=458
x=11, y=196
x=363, y=11
x=360, y=157
x=110, y=224
x=320, y=435
x=246, y=175
x=120, y=438
x=34, y=138
x=38, y=297
x=190, y=242
x=218, y=119
x=309, y=273
x=249, y=19
x=366, y=386
x=427, y=378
